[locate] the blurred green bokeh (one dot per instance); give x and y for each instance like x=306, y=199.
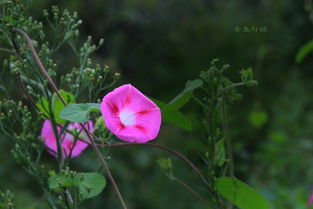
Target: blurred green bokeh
x=157, y=46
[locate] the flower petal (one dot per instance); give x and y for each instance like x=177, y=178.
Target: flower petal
x=130, y=115
x=67, y=140
x=49, y=138
x=77, y=150
x=310, y=201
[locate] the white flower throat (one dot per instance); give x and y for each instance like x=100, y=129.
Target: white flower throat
x=127, y=117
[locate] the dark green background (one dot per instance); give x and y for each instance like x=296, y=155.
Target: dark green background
x=157, y=45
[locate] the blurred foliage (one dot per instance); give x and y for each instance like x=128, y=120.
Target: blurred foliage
x=158, y=45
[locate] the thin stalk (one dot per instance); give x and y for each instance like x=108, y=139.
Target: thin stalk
x=6, y=50
x=50, y=201
x=105, y=166
x=228, y=144
x=39, y=63
x=227, y=138
x=179, y=181
x=69, y=197
x=227, y=88
x=26, y=92
x=58, y=141
x=164, y=148
x=204, y=106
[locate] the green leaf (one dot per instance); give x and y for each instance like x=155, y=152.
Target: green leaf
x=172, y=116
x=56, y=104
x=241, y=194
x=304, y=51
x=43, y=106
x=247, y=77
x=179, y=101
x=182, y=98
x=79, y=112
x=258, y=118
x=194, y=84
x=58, y=181
x=166, y=166
x=89, y=184
x=159, y=103
x=92, y=185
x=177, y=118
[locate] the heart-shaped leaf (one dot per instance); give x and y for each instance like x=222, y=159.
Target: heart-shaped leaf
x=79, y=113
x=241, y=194
x=92, y=185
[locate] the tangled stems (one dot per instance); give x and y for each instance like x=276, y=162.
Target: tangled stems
x=44, y=72
x=95, y=146
x=39, y=63
x=55, y=89
x=105, y=166
x=177, y=154
x=167, y=149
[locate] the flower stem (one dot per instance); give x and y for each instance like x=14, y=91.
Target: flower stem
x=105, y=166
x=227, y=138
x=39, y=63
x=6, y=50
x=228, y=143
x=227, y=88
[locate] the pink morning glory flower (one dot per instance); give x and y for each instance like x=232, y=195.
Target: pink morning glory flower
x=130, y=115
x=67, y=139
x=310, y=201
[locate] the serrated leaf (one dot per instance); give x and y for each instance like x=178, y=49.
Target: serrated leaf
x=241, y=194
x=92, y=185
x=79, y=113
x=304, y=51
